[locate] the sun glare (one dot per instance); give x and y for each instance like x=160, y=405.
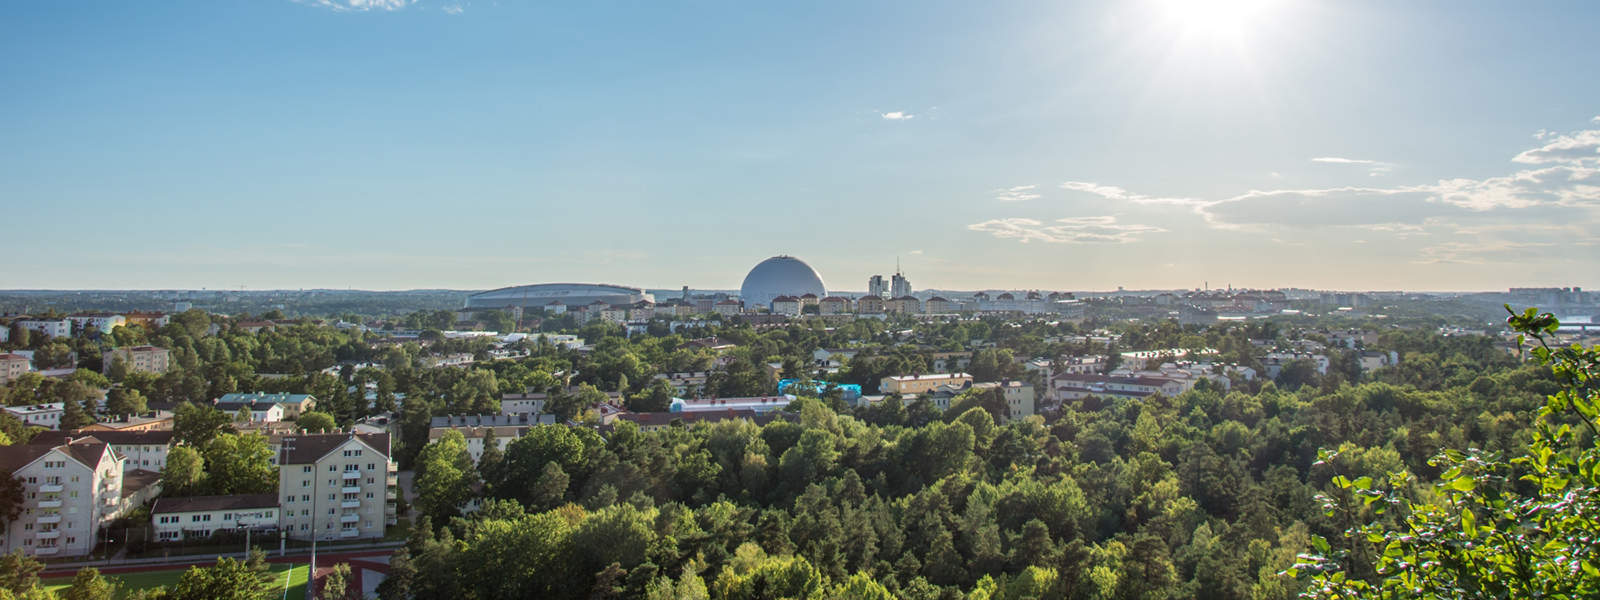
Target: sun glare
x=1216, y=20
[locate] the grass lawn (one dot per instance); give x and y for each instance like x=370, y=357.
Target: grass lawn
x=296, y=580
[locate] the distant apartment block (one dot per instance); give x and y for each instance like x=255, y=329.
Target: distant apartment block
x=268, y=408
x=141, y=359
x=12, y=366
x=47, y=327
x=46, y=415
x=102, y=321
x=912, y=385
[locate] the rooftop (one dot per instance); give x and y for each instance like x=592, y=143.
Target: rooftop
x=210, y=503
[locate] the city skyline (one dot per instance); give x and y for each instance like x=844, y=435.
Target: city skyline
x=394, y=145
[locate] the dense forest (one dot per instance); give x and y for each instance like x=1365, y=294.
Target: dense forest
x=1205, y=495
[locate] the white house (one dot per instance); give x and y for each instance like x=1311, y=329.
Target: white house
x=48, y=327
x=46, y=415
x=202, y=516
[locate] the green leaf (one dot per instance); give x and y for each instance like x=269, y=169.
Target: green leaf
x=1463, y=484
x=1319, y=543
x=1469, y=524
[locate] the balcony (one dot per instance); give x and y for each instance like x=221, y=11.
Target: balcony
x=390, y=509
x=49, y=504
x=349, y=533
x=349, y=518
x=50, y=488
x=48, y=535
x=392, y=481
x=390, y=495
x=350, y=504
x=393, y=467
x=50, y=519
x=351, y=489
x=352, y=475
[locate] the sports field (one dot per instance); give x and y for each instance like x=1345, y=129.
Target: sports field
x=294, y=579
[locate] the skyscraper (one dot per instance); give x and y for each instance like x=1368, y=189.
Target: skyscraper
x=900, y=286
x=875, y=286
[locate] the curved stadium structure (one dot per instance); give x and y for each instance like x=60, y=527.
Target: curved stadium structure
x=540, y=295
x=780, y=275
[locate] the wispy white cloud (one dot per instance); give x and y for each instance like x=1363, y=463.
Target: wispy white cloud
x=1070, y=230
x=898, y=115
x=1111, y=192
x=1374, y=167
x=915, y=253
x=359, y=5
x=454, y=9
x=1018, y=193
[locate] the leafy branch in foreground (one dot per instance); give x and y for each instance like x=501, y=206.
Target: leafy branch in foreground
x=1489, y=528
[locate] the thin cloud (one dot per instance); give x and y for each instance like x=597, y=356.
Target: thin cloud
x=1111, y=192
x=1020, y=193
x=898, y=115
x=1070, y=230
x=359, y=5
x=454, y=9
x=1374, y=167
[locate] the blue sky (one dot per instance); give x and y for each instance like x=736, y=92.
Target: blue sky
x=470, y=144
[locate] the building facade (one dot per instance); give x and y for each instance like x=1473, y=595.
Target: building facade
x=336, y=486
x=12, y=366
x=142, y=359
x=911, y=385
x=68, y=492
x=201, y=516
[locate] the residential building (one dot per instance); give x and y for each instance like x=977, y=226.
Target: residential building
x=336, y=485
x=758, y=404
x=141, y=359
x=1018, y=396
x=475, y=427
x=12, y=366
x=150, y=320
x=102, y=321
x=1371, y=360
x=949, y=362
x=649, y=421
x=870, y=305
x=808, y=299
x=786, y=305
x=201, y=516
x=152, y=421
x=523, y=404
x=912, y=385
x=46, y=415
x=290, y=405
x=834, y=305
x=47, y=327
x=1072, y=387
x=688, y=383
x=940, y=306
x=146, y=450
x=727, y=307
x=903, y=305
x=68, y=492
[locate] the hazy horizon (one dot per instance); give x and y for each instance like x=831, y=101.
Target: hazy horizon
x=1074, y=146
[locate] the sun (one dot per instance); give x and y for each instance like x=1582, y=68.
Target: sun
x=1216, y=20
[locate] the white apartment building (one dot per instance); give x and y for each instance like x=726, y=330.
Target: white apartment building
x=336, y=486
x=202, y=516
x=138, y=449
x=143, y=359
x=685, y=383
x=46, y=415
x=103, y=321
x=69, y=491
x=48, y=327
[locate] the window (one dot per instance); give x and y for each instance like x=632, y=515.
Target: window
x=372, y=467
x=72, y=540
x=227, y=516
x=333, y=468
x=305, y=483
x=369, y=480
x=369, y=495
x=305, y=469
x=305, y=498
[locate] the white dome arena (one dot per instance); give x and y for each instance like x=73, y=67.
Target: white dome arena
x=780, y=276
